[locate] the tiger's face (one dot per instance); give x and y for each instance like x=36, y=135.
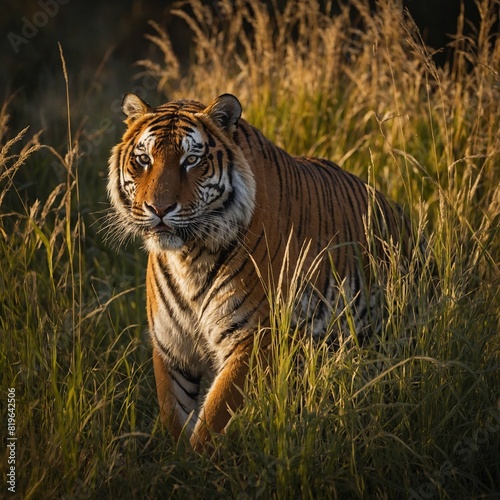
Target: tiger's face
x=178, y=178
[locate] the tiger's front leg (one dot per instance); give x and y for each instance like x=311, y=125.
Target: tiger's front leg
x=177, y=396
x=223, y=397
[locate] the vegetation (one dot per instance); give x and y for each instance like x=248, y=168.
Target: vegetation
x=418, y=416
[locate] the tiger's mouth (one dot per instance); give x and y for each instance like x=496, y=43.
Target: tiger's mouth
x=163, y=237
x=161, y=228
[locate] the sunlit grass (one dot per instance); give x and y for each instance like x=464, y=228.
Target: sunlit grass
x=414, y=415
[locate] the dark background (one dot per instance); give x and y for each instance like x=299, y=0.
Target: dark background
x=102, y=40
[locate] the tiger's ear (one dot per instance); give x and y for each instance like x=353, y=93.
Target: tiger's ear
x=134, y=107
x=225, y=111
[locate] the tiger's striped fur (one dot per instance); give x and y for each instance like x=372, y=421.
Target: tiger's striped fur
x=213, y=201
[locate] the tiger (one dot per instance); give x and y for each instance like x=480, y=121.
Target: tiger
x=219, y=208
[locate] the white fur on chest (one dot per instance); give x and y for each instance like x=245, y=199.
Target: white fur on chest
x=193, y=326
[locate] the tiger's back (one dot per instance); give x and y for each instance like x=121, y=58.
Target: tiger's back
x=314, y=200
x=219, y=208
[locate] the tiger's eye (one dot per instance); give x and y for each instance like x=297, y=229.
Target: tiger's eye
x=143, y=160
x=191, y=160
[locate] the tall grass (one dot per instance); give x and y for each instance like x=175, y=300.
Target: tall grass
x=416, y=416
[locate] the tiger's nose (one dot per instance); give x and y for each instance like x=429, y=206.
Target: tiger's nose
x=160, y=210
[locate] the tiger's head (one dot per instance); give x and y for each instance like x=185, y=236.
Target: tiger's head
x=178, y=178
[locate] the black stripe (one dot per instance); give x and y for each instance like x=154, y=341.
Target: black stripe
x=184, y=409
x=262, y=148
x=166, y=303
x=172, y=285
x=277, y=169
x=171, y=360
x=241, y=323
x=231, y=276
x=120, y=188
x=195, y=382
x=223, y=257
x=246, y=135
